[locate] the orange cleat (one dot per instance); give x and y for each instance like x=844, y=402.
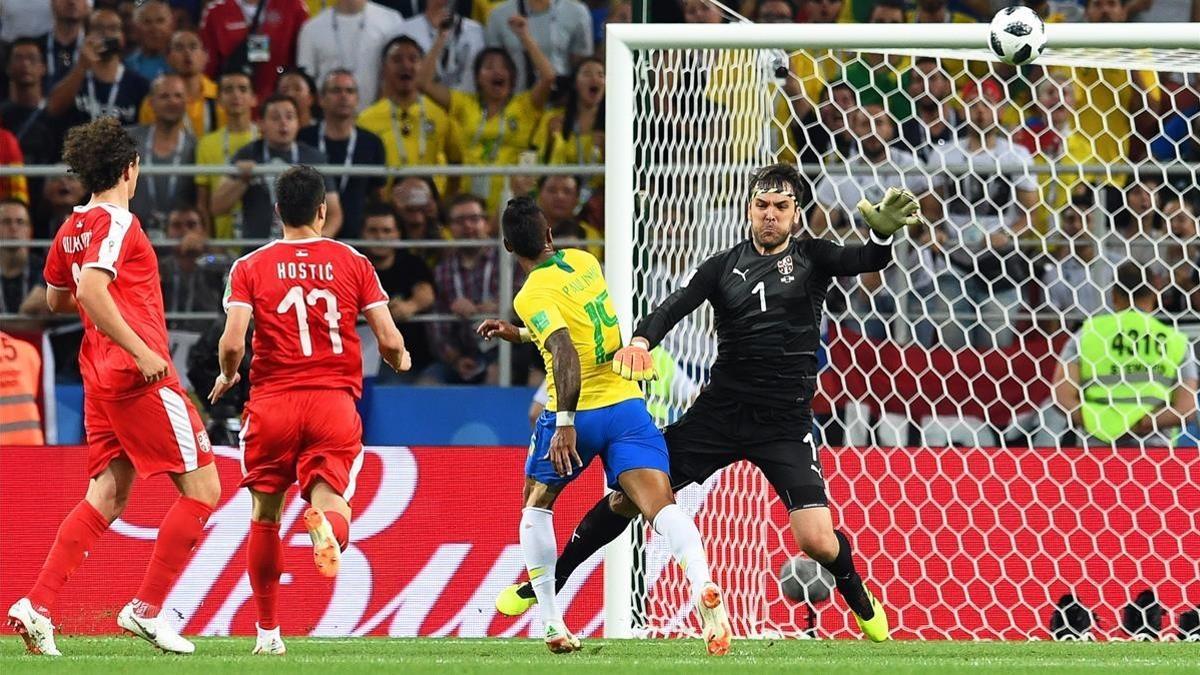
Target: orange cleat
x=326, y=553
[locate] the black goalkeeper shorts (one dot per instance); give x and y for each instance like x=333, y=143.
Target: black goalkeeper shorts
x=719, y=430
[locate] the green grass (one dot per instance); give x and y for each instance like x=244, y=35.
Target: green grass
x=107, y=655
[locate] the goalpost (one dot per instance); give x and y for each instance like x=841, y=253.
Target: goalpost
x=951, y=469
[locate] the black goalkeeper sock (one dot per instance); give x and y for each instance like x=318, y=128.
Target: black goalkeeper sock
x=849, y=584
x=600, y=526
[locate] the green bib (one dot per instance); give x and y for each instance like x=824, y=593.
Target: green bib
x=1128, y=366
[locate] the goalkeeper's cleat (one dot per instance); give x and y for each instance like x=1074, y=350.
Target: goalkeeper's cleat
x=715, y=620
x=269, y=642
x=326, y=553
x=157, y=631
x=34, y=628
x=511, y=602
x=875, y=628
x=559, y=640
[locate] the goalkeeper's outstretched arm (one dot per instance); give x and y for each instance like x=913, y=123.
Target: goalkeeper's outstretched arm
x=694, y=291
x=840, y=261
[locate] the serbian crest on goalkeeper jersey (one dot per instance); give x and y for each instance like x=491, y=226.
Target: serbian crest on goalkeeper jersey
x=785, y=266
x=785, y=270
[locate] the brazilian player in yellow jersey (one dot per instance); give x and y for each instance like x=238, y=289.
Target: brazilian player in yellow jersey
x=592, y=412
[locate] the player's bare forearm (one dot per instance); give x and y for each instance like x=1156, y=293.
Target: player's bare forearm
x=391, y=342
x=92, y=295
x=60, y=301
x=566, y=369
x=231, y=348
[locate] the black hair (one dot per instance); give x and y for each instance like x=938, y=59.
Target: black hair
x=511, y=65
x=571, y=111
x=401, y=40
x=524, y=227
x=541, y=182
x=12, y=199
x=277, y=98
x=98, y=153
x=236, y=72
x=779, y=177
x=375, y=208
x=890, y=4
x=29, y=42
x=465, y=198
x=299, y=191
x=313, y=93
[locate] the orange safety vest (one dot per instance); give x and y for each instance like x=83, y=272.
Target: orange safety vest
x=20, y=368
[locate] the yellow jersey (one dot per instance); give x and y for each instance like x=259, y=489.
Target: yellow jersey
x=424, y=132
x=217, y=148
x=569, y=291
x=498, y=139
x=203, y=114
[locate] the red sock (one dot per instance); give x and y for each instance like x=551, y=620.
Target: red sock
x=76, y=536
x=177, y=536
x=340, y=527
x=264, y=562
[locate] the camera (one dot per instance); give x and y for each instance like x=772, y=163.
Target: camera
x=450, y=22
x=110, y=47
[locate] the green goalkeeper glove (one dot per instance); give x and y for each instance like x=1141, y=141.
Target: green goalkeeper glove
x=898, y=209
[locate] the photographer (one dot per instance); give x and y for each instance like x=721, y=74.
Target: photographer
x=98, y=84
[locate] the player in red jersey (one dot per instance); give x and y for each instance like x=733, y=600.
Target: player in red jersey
x=138, y=419
x=304, y=293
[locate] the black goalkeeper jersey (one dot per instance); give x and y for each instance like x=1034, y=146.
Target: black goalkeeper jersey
x=768, y=313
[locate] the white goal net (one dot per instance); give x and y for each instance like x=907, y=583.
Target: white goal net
x=972, y=505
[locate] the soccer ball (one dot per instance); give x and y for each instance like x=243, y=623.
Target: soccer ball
x=805, y=580
x=1018, y=35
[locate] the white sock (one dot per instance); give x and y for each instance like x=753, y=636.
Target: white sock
x=541, y=552
x=684, y=540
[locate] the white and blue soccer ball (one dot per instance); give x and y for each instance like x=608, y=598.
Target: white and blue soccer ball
x=1018, y=35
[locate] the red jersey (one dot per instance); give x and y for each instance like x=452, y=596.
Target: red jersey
x=223, y=27
x=306, y=295
x=110, y=238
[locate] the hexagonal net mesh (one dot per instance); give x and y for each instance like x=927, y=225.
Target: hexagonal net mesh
x=978, y=486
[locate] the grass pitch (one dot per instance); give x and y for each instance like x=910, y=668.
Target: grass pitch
x=373, y=655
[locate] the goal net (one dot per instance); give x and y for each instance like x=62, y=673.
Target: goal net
x=972, y=506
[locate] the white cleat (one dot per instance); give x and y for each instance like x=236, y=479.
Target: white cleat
x=157, y=631
x=34, y=628
x=269, y=642
x=559, y=640
x=715, y=620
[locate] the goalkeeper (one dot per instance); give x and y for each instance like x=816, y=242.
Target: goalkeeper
x=768, y=294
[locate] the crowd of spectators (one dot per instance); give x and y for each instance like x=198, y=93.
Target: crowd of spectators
x=396, y=83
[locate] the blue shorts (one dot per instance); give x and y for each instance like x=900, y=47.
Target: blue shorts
x=623, y=435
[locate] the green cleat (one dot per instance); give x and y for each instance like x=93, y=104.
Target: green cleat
x=511, y=603
x=875, y=628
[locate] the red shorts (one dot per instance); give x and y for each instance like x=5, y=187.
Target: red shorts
x=159, y=431
x=301, y=435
